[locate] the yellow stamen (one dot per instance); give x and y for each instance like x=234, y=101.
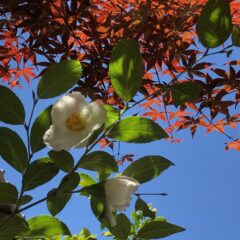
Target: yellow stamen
x=74, y=122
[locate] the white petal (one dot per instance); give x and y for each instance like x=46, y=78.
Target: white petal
x=111, y=218
x=98, y=115
x=58, y=139
x=118, y=192
x=67, y=105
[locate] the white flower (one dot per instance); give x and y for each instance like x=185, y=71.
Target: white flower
x=73, y=122
x=118, y=195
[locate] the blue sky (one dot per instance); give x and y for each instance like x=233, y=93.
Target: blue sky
x=203, y=187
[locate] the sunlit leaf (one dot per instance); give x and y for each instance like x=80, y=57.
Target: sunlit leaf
x=147, y=168
x=12, y=110
x=99, y=161
x=46, y=226
x=12, y=149
x=215, y=23
x=137, y=130
x=40, y=126
x=86, y=180
x=8, y=193
x=59, y=78
x=38, y=173
x=112, y=115
x=126, y=69
x=158, y=229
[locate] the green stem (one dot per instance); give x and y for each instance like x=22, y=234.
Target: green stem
x=30, y=154
x=44, y=199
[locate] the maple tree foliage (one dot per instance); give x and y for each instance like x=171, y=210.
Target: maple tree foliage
x=37, y=33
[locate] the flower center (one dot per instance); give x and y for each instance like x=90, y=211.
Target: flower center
x=74, y=122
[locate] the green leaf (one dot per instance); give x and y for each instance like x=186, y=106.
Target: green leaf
x=185, y=92
x=25, y=199
x=86, y=180
x=40, y=126
x=13, y=226
x=12, y=110
x=126, y=69
x=46, y=226
x=215, y=23
x=8, y=193
x=12, y=149
x=158, y=229
x=99, y=161
x=122, y=228
x=69, y=182
x=58, y=198
x=94, y=135
x=137, y=130
x=59, y=78
x=97, y=207
x=142, y=206
x=112, y=115
x=38, y=173
x=147, y=168
x=97, y=194
x=63, y=160
x=236, y=36
x=85, y=232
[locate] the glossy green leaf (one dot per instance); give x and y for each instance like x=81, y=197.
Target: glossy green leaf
x=46, y=226
x=8, y=193
x=215, y=23
x=99, y=161
x=236, y=36
x=63, y=160
x=12, y=149
x=142, y=206
x=112, y=115
x=38, y=173
x=185, y=92
x=25, y=199
x=86, y=180
x=12, y=227
x=147, y=168
x=126, y=69
x=12, y=110
x=40, y=126
x=59, y=78
x=137, y=130
x=58, y=198
x=158, y=229
x=122, y=228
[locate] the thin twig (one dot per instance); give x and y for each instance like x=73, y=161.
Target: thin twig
x=150, y=194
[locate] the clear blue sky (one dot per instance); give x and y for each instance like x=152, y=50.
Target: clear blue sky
x=203, y=187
